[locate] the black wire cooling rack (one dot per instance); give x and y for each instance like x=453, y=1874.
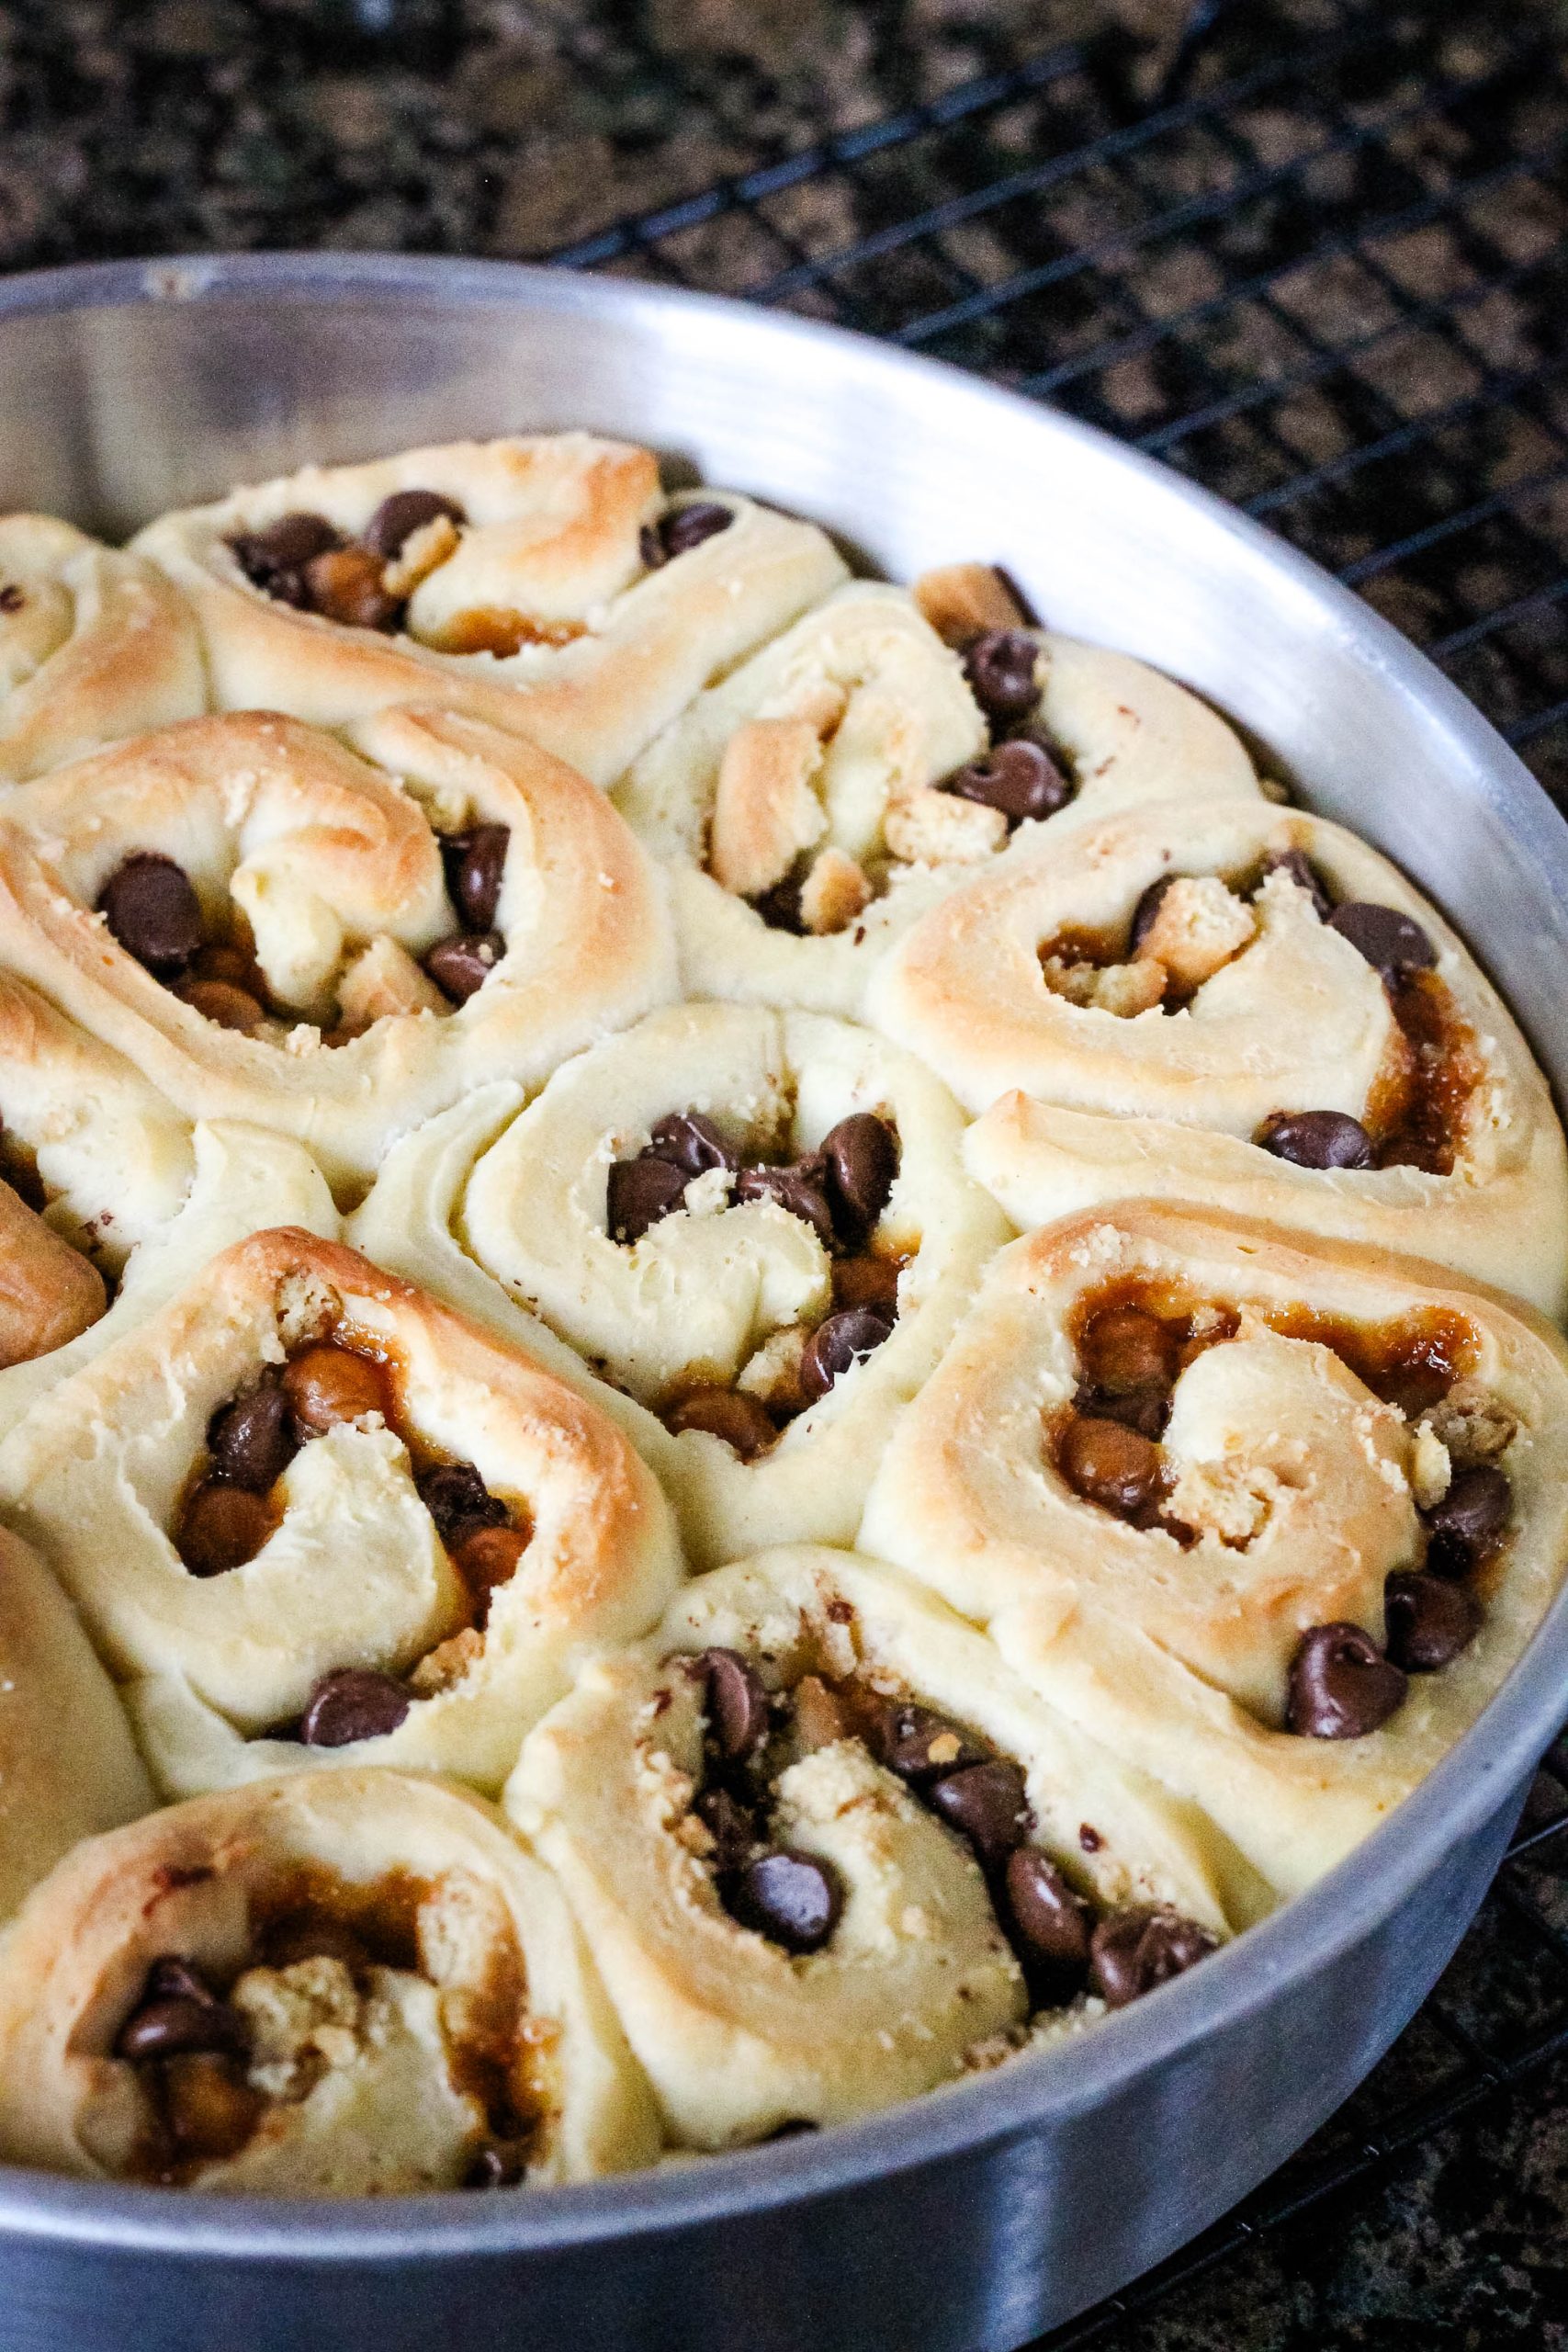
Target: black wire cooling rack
x=1317, y=256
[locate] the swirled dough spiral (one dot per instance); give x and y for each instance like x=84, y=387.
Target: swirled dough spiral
x=608, y=651
x=68, y=1765
x=374, y=2079
x=354, y=1573
x=332, y=860
x=506, y=1215
x=738, y=2036
x=94, y=645
x=242, y=1180
x=1297, y=1489
x=112, y=1157
x=829, y=745
x=1093, y=1104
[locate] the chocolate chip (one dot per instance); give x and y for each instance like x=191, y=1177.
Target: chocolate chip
x=1134, y=1950
x=221, y=1527
x=1050, y=1922
x=986, y=1804
x=460, y=966
x=687, y=1140
x=354, y=1702
x=459, y=1501
x=474, y=863
x=1391, y=943
x=687, y=527
x=1111, y=1464
x=731, y=1827
x=798, y=1189
x=487, y=1559
x=178, y=2014
x=859, y=1157
x=915, y=1741
x=398, y=517
x=868, y=1282
x=1125, y=1350
x=283, y=549
x=344, y=585
x=327, y=1386
x=844, y=1340
x=1466, y=1527
x=639, y=1192
x=1149, y=904
x=251, y=1441
x=999, y=667
x=500, y=2164
x=735, y=1702
x=743, y=1423
x=224, y=1005
x=1304, y=873
x=780, y=908
x=1089, y=1837
x=1430, y=1621
x=173, y=1978
x=1144, y=1409
x=152, y=912
x=1315, y=1139
x=13, y=598
x=170, y=2028
x=1018, y=777
x=792, y=1897
x=1341, y=1685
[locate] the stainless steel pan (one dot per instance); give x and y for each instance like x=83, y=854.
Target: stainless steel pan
x=977, y=2216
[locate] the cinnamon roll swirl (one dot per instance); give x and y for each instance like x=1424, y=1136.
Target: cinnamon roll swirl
x=271, y=928
x=753, y=1224
x=311, y=1516
x=817, y=802
x=352, y=1983
x=1250, y=1007
x=94, y=645
x=828, y=1851
x=1274, y=1516
x=545, y=584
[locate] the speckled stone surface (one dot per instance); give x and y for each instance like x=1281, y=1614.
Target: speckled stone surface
x=497, y=127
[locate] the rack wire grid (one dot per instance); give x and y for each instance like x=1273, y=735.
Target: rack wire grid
x=1313, y=254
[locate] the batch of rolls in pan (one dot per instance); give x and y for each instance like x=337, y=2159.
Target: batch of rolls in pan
x=758, y=1340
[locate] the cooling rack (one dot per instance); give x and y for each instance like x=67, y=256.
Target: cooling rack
x=1316, y=257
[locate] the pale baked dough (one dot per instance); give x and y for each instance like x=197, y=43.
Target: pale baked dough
x=1177, y=1658
x=354, y=1574
x=553, y=541
x=68, y=1765
x=243, y=1179
x=94, y=645
x=737, y=2036
x=522, y=1200
x=113, y=1156
x=842, y=726
x=1166, y=1105
x=373, y=2102
x=326, y=855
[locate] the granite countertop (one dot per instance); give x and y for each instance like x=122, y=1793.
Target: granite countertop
x=501, y=128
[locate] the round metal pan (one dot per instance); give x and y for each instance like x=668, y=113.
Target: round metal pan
x=981, y=2215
